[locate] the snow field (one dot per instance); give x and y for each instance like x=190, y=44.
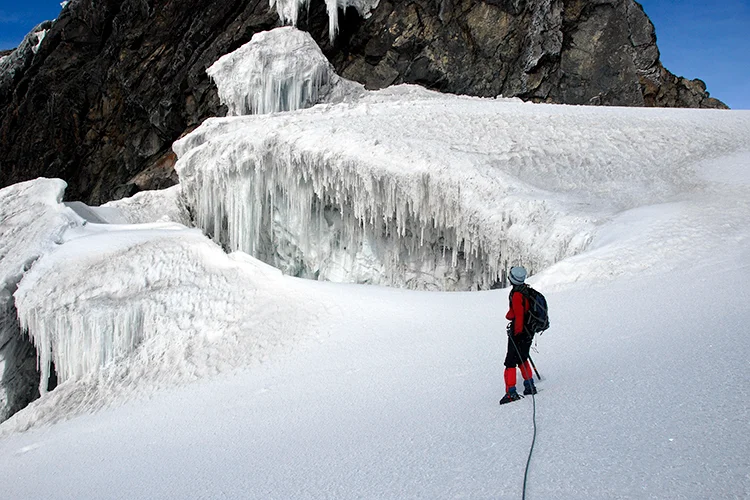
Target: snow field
x=399, y=399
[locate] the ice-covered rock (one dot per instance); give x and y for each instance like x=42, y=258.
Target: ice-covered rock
x=16, y=62
x=278, y=70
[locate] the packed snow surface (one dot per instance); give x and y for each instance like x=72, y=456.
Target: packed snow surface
x=643, y=396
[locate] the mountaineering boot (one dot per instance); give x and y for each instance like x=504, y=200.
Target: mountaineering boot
x=510, y=397
x=529, y=387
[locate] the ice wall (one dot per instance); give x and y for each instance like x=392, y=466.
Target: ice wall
x=260, y=77
x=32, y=222
x=408, y=187
x=288, y=11
x=126, y=308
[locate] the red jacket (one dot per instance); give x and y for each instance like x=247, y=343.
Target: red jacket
x=518, y=308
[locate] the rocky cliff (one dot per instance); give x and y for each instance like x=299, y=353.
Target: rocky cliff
x=102, y=96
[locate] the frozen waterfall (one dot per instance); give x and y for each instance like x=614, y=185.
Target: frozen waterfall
x=288, y=11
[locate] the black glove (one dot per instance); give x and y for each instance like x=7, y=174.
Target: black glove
x=509, y=329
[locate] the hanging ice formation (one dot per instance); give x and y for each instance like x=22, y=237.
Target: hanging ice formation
x=260, y=77
x=33, y=220
x=412, y=188
x=318, y=214
x=288, y=11
x=118, y=305
x=265, y=186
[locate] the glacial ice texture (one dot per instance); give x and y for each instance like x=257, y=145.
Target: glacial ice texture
x=411, y=188
x=117, y=307
x=126, y=308
x=32, y=222
x=278, y=70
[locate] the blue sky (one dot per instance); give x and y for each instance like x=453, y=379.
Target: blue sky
x=706, y=40
x=697, y=39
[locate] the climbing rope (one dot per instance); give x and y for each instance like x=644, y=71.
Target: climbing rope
x=533, y=418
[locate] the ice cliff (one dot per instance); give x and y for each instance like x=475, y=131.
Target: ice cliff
x=32, y=222
x=409, y=187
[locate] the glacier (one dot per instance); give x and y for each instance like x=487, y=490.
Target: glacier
x=633, y=221
x=408, y=187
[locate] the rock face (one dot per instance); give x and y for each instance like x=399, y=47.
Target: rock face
x=560, y=51
x=114, y=82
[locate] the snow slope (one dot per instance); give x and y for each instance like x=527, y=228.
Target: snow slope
x=399, y=400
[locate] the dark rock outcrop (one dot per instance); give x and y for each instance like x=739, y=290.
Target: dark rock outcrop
x=115, y=82
x=561, y=51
